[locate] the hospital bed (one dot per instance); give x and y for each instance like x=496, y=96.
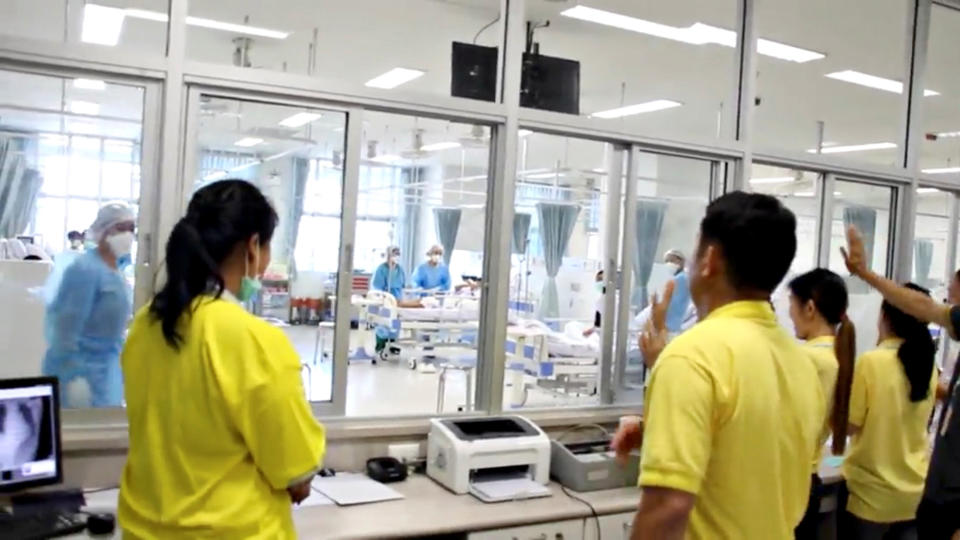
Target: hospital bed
x=553, y=361
x=444, y=326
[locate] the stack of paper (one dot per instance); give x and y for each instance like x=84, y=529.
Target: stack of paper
x=507, y=489
x=347, y=489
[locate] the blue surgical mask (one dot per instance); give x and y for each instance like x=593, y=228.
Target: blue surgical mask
x=250, y=286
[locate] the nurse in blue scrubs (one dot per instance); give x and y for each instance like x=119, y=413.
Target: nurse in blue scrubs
x=433, y=275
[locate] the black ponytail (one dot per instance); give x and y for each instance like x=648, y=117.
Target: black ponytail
x=917, y=351
x=828, y=292
x=219, y=216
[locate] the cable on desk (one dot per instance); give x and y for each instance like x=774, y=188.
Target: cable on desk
x=593, y=511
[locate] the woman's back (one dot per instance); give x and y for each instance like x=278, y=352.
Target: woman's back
x=887, y=462
x=219, y=427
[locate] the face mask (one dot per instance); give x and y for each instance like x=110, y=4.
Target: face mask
x=76, y=244
x=434, y=259
x=674, y=267
x=250, y=286
x=121, y=243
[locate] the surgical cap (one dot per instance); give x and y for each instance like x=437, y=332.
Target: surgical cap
x=435, y=249
x=674, y=253
x=110, y=214
x=394, y=251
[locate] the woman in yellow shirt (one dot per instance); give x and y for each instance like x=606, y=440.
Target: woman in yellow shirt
x=818, y=309
x=222, y=438
x=890, y=403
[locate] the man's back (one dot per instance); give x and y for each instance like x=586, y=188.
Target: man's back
x=732, y=415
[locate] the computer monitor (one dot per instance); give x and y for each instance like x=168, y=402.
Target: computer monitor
x=29, y=433
x=473, y=71
x=549, y=83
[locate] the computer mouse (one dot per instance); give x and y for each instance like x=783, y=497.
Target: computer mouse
x=101, y=523
x=326, y=472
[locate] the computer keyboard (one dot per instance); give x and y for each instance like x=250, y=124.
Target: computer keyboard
x=40, y=526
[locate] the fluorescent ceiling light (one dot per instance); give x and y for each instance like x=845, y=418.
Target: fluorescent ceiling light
x=543, y=175
x=84, y=107
x=216, y=175
x=927, y=190
x=201, y=22
x=695, y=34
x=394, y=78
x=386, y=158
x=872, y=81
x=942, y=170
x=248, y=141
x=854, y=148
x=101, y=25
x=949, y=134
x=524, y=132
x=811, y=194
x=89, y=84
x=299, y=119
x=640, y=108
x=775, y=180
x=440, y=146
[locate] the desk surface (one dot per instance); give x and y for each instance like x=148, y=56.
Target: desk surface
x=430, y=509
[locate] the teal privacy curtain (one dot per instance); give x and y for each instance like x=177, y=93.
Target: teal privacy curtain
x=19, y=187
x=557, y=221
x=447, y=221
x=521, y=232
x=865, y=220
x=922, y=259
x=648, y=225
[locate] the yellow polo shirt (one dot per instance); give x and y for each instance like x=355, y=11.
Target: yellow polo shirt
x=887, y=462
x=733, y=414
x=825, y=360
x=218, y=429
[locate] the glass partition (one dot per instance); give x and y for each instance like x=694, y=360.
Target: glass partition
x=940, y=149
x=660, y=68
x=386, y=45
x=418, y=265
x=932, y=229
x=800, y=191
x=848, y=86
x=869, y=208
x=138, y=26
x=295, y=156
x=65, y=151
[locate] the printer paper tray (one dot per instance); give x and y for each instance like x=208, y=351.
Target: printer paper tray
x=507, y=489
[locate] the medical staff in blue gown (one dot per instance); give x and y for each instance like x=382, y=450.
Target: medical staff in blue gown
x=680, y=302
x=389, y=278
x=88, y=313
x=433, y=275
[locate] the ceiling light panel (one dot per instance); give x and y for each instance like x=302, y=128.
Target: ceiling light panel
x=300, y=119
x=695, y=34
x=639, y=108
x=89, y=84
x=949, y=134
x=212, y=24
x=84, y=107
x=394, y=78
x=927, y=190
x=101, y=25
x=773, y=180
x=842, y=149
x=248, y=142
x=872, y=81
x=440, y=146
x=942, y=170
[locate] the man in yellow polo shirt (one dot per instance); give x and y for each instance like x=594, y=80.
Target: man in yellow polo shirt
x=733, y=409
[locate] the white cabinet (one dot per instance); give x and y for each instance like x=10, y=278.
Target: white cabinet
x=560, y=530
x=612, y=527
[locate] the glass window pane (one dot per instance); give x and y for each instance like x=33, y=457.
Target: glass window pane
x=868, y=208
x=60, y=151
x=129, y=25
x=423, y=183
x=940, y=149
x=298, y=165
x=628, y=54
x=851, y=83
x=931, y=236
x=321, y=39
x=800, y=192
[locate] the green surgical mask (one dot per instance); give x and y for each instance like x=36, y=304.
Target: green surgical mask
x=250, y=286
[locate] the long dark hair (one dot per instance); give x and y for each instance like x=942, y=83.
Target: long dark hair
x=829, y=295
x=219, y=216
x=917, y=350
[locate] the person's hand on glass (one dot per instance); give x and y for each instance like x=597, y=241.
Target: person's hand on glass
x=653, y=338
x=855, y=255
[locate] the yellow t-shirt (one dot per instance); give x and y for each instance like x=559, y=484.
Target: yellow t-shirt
x=825, y=360
x=218, y=429
x=887, y=462
x=733, y=414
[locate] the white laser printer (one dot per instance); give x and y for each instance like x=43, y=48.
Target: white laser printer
x=495, y=458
